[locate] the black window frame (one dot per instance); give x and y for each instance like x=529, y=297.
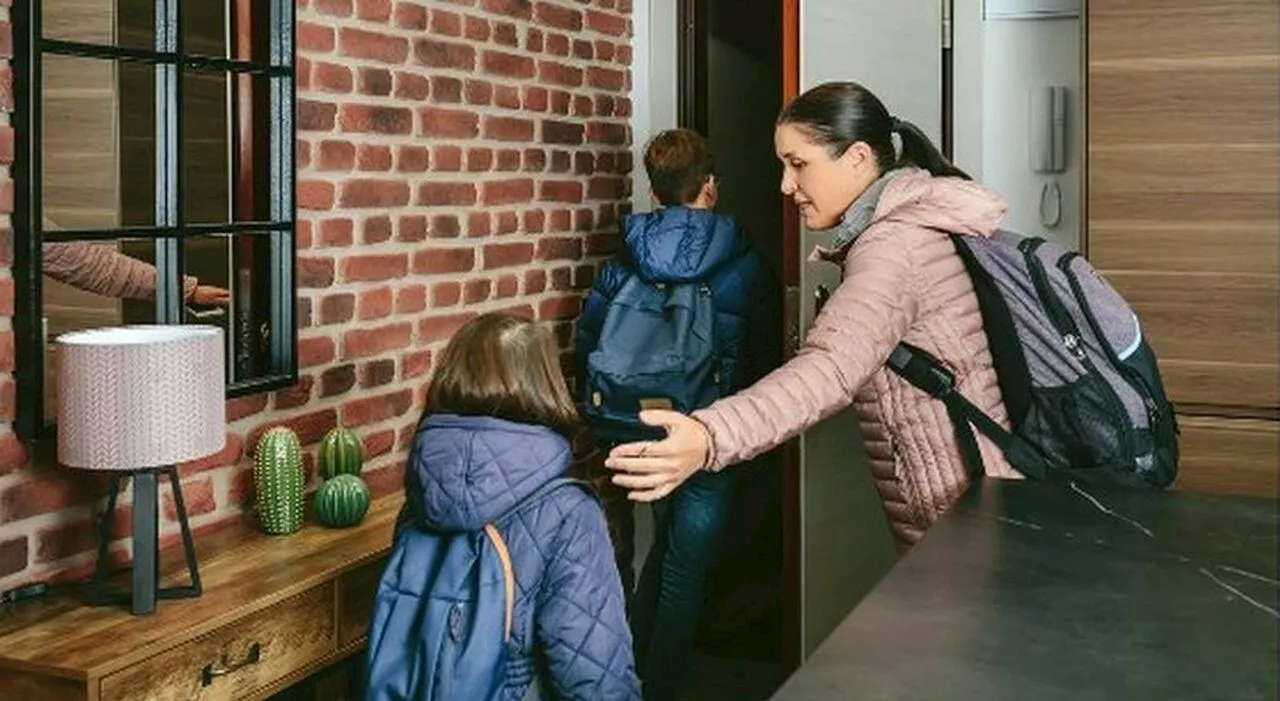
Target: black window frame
x=170, y=227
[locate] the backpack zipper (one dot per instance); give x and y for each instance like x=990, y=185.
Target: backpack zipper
x=1070, y=333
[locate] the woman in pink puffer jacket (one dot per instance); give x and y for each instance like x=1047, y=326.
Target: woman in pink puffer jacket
x=903, y=281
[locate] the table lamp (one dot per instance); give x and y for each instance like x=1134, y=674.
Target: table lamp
x=136, y=401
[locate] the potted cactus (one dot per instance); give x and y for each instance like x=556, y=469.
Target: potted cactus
x=340, y=453
x=342, y=501
x=279, y=481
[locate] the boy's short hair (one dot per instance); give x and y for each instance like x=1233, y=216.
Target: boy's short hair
x=507, y=367
x=678, y=162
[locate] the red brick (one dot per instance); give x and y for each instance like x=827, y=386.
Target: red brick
x=376, y=118
x=331, y=77
x=415, y=364
x=371, y=341
x=446, y=294
x=437, y=53
x=446, y=89
x=505, y=255
x=508, y=160
x=376, y=81
x=379, y=443
x=557, y=132
x=477, y=29
x=476, y=291
x=582, y=106
x=535, y=221
x=316, y=116
x=315, y=350
x=560, y=220
x=244, y=407
x=336, y=8
x=608, y=187
x=557, y=44
x=375, y=304
x=561, y=191
x=371, y=192
x=507, y=65
x=438, y=261
x=623, y=54
x=479, y=160
x=536, y=99
x=606, y=23
x=386, y=479
x=478, y=224
x=535, y=281
x=508, y=129
x=338, y=308
x=375, y=267
x=46, y=491
x=606, y=78
x=558, y=16
x=446, y=23
x=605, y=50
x=508, y=286
x=337, y=380
x=315, y=194
x=445, y=194
x=197, y=499
x=445, y=226
x=413, y=159
x=447, y=123
x=507, y=223
x=370, y=410
x=506, y=97
x=373, y=10
x=336, y=232
x=559, y=248
x=520, y=9
x=8, y=408
x=310, y=428
x=337, y=155
x=376, y=229
x=616, y=134
x=65, y=539
x=447, y=159
x=583, y=49
x=535, y=160
x=410, y=86
x=411, y=299
x=441, y=328
x=14, y=556
x=358, y=43
x=409, y=15
x=583, y=220
x=503, y=192
x=479, y=92
x=560, y=308
x=533, y=40
x=230, y=454
x=553, y=73
x=371, y=157
x=411, y=229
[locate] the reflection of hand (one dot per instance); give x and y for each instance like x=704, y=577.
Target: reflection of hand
x=652, y=470
x=210, y=296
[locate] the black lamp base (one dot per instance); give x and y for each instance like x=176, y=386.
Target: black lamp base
x=146, y=544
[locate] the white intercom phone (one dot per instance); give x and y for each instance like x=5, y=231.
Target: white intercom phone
x=1049, y=129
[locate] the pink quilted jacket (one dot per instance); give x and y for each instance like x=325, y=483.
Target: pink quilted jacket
x=903, y=280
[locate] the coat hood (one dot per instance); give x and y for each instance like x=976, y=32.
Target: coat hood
x=682, y=244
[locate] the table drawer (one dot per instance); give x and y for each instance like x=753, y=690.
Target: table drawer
x=356, y=591
x=237, y=659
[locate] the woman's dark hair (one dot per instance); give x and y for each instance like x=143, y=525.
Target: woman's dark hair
x=836, y=115
x=506, y=367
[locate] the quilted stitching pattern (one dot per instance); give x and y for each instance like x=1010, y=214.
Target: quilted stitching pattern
x=469, y=470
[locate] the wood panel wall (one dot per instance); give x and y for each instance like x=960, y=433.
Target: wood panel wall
x=1183, y=214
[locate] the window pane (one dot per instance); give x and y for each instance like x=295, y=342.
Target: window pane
x=131, y=23
x=90, y=285
x=204, y=26
x=239, y=267
x=206, y=137
x=96, y=115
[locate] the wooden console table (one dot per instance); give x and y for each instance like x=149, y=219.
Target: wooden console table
x=275, y=610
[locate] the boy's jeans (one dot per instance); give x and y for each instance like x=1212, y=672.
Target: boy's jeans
x=664, y=615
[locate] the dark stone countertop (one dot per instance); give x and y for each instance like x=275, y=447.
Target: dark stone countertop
x=1038, y=592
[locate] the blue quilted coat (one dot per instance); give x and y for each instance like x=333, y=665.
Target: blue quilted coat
x=466, y=470
x=684, y=244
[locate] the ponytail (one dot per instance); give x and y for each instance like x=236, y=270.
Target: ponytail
x=918, y=150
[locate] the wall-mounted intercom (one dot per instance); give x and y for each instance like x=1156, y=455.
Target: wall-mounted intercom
x=1049, y=129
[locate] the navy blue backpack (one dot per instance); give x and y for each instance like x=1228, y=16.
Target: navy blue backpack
x=657, y=350
x=441, y=621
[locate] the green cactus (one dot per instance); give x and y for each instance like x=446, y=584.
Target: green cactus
x=342, y=501
x=279, y=481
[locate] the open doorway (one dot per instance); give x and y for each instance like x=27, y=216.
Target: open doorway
x=731, y=89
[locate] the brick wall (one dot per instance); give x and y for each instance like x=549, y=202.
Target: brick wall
x=453, y=157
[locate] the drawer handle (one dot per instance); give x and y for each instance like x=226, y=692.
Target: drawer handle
x=222, y=667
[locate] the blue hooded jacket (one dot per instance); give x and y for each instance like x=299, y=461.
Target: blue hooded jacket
x=684, y=244
x=465, y=471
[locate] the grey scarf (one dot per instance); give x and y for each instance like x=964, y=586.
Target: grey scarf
x=856, y=219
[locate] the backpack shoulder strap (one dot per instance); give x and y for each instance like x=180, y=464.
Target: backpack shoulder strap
x=500, y=544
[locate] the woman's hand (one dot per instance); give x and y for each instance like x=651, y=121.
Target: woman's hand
x=651, y=470
x=210, y=296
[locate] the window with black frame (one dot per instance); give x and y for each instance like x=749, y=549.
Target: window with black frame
x=154, y=180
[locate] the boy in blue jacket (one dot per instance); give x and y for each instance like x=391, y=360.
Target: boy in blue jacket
x=684, y=240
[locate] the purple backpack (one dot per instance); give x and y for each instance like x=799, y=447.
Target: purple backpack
x=1079, y=381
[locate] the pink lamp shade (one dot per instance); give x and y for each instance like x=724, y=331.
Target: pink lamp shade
x=133, y=397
